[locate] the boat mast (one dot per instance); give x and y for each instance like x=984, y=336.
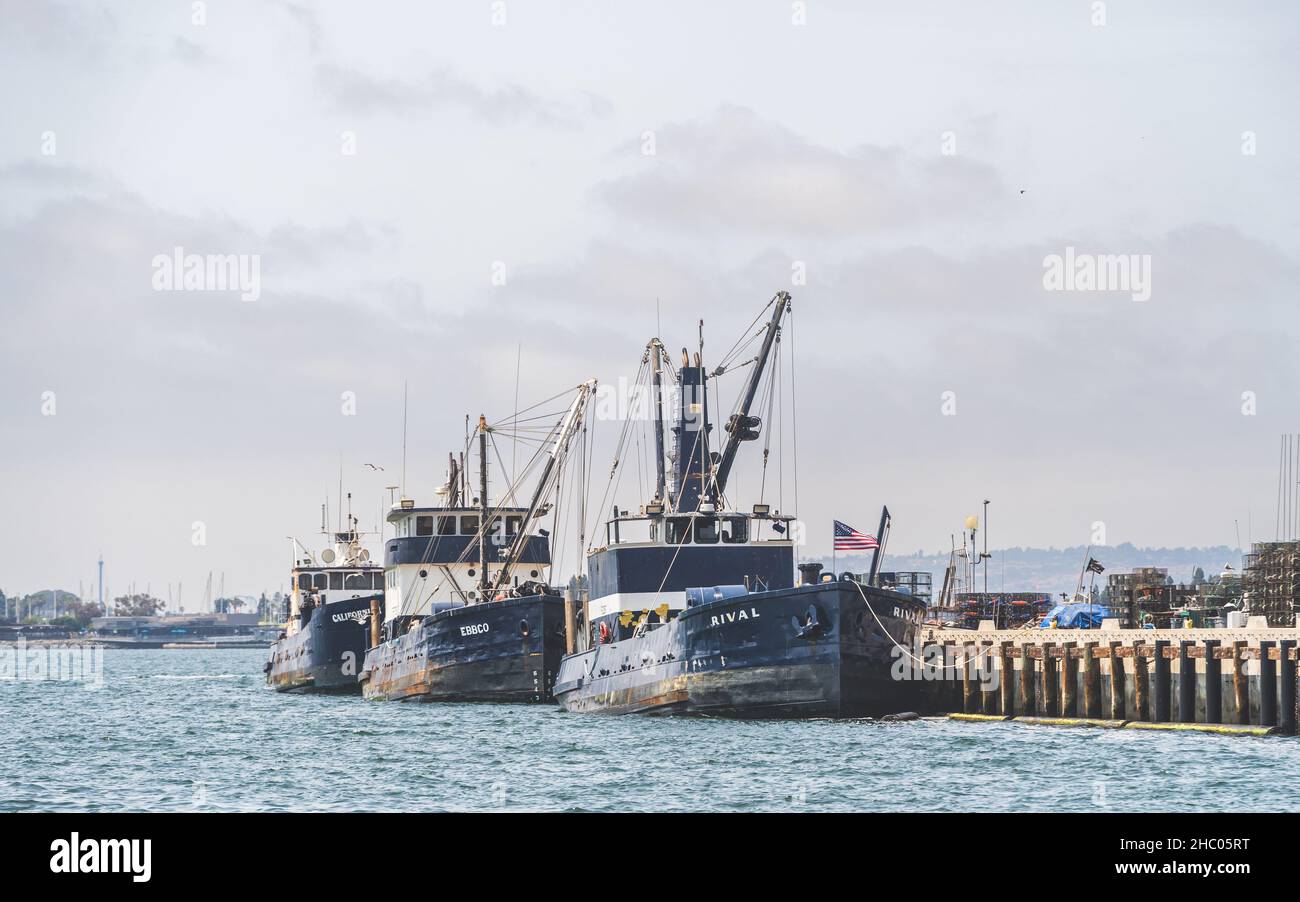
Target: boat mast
x=568, y=426
x=741, y=427
x=453, y=482
x=882, y=536
x=692, y=436
x=656, y=354
x=482, y=504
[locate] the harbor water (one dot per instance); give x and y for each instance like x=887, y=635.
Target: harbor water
x=197, y=730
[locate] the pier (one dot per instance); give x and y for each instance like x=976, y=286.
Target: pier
x=1240, y=680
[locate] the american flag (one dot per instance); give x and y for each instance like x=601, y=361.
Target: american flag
x=849, y=539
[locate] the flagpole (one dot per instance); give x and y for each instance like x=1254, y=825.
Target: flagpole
x=834, y=572
x=880, y=538
x=1086, y=555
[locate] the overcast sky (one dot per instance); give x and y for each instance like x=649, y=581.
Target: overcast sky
x=918, y=161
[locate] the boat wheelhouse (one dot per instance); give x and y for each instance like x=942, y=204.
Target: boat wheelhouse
x=431, y=562
x=331, y=602
x=343, y=571
x=650, y=559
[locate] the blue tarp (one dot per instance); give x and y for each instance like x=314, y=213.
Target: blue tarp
x=704, y=594
x=1075, y=616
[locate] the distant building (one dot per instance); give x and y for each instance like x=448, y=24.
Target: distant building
x=155, y=631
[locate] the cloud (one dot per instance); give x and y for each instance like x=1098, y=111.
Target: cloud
x=738, y=170
x=882, y=334
x=57, y=28
x=353, y=91
x=48, y=176
x=189, y=52
x=81, y=312
x=306, y=21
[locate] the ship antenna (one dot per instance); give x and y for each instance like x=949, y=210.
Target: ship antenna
x=404, y=387
x=514, y=426
x=482, y=505
x=656, y=350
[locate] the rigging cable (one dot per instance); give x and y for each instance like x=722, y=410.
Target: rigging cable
x=794, y=414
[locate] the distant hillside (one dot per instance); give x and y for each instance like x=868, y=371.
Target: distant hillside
x=1053, y=569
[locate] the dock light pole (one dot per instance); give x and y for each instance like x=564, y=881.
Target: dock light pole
x=972, y=526
x=984, y=556
x=979, y=558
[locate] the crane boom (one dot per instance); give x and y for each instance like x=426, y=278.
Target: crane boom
x=568, y=427
x=738, y=427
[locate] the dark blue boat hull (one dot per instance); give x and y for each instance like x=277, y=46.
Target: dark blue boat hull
x=326, y=654
x=826, y=650
x=506, y=651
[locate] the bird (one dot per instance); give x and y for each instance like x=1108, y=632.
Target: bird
x=373, y=467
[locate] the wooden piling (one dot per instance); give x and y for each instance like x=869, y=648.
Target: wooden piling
x=1026, y=700
x=1047, y=701
x=948, y=679
x=1240, y=682
x=1141, y=686
x=1186, y=683
x=1286, y=689
x=376, y=621
x=1069, y=680
x=1117, y=682
x=1162, y=684
x=1267, y=686
x=1213, y=682
x=968, y=687
x=1007, y=679
x=584, y=596
x=570, y=620
x=1091, y=681
x=953, y=688
x=988, y=687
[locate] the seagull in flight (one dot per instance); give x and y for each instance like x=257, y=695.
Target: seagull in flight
x=373, y=467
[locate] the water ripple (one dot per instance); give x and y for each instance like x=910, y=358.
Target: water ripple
x=183, y=730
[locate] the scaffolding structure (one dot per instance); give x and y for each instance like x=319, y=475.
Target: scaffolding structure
x=914, y=582
x=1147, y=597
x=1007, y=610
x=1272, y=581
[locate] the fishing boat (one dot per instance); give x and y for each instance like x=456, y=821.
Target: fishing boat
x=332, y=601
x=694, y=606
x=471, y=615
